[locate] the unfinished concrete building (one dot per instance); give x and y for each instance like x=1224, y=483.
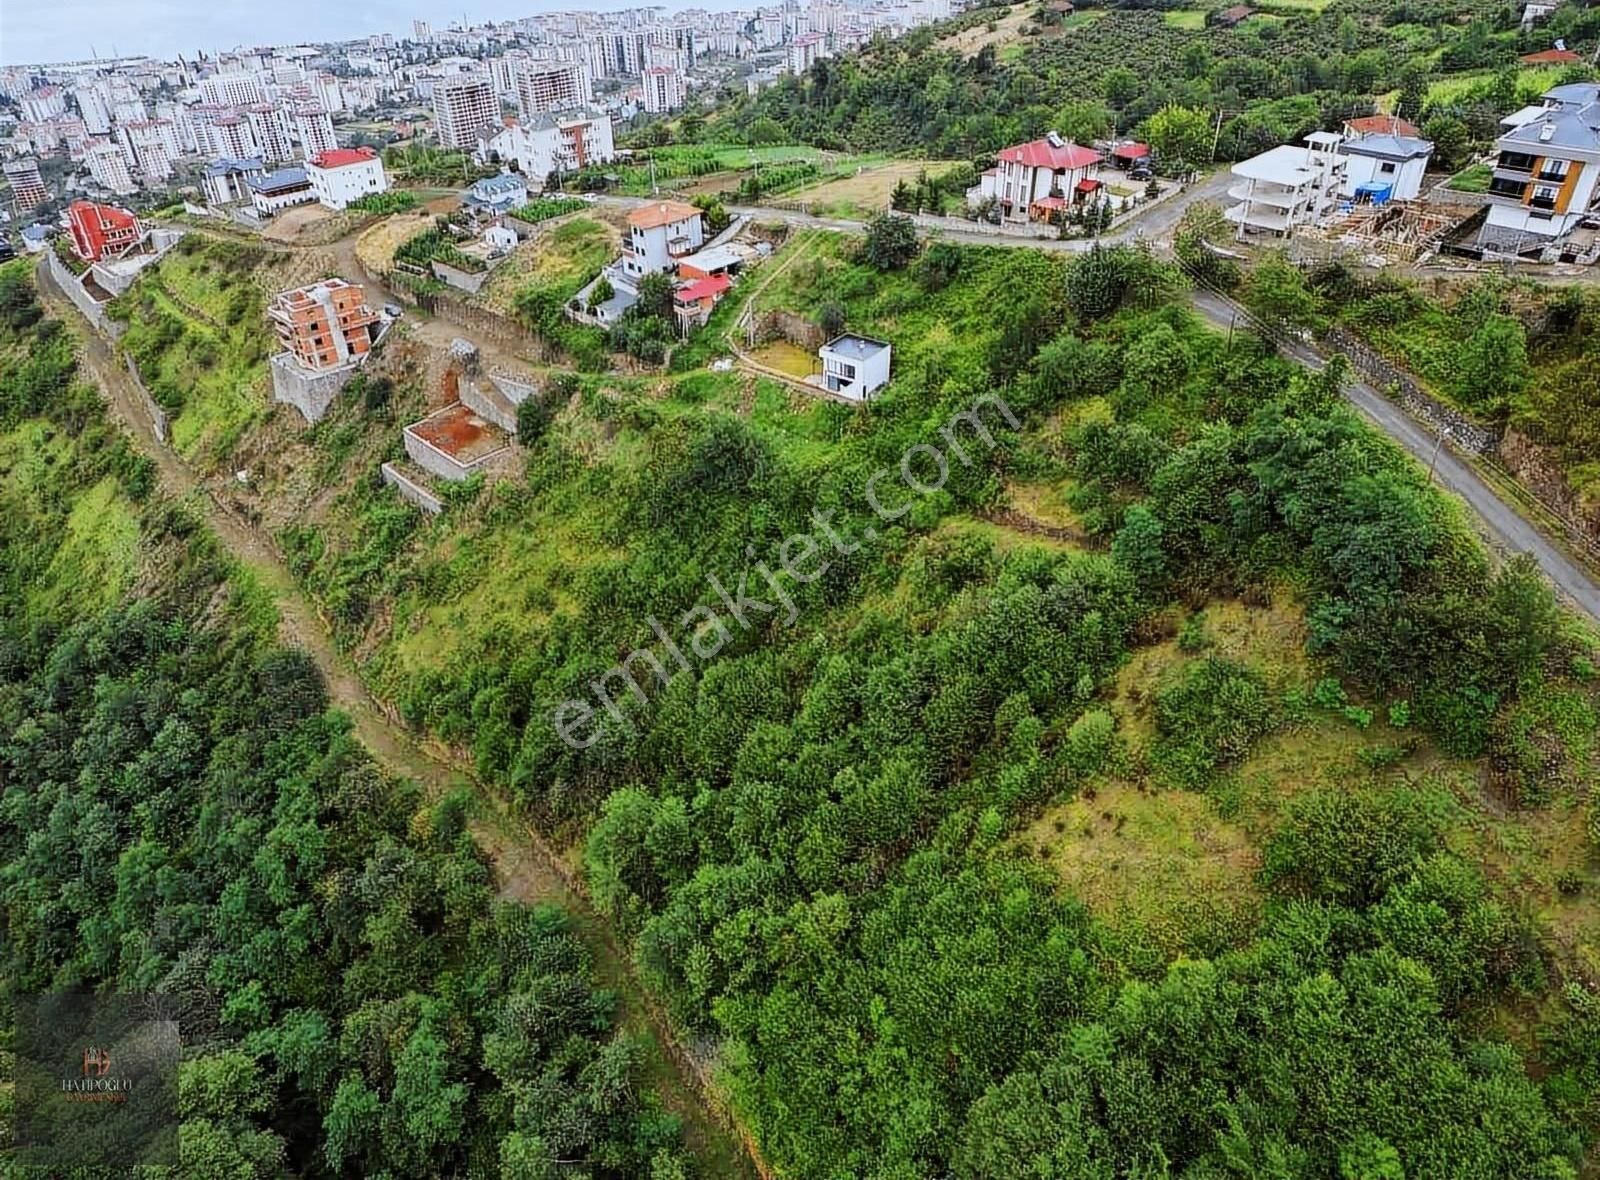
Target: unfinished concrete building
x=326, y=330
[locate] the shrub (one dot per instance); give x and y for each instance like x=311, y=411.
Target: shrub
x=1210, y=719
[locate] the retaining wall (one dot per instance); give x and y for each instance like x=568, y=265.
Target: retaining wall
x=157, y=416
x=310, y=393
x=410, y=490
x=1462, y=431
x=486, y=407
x=72, y=287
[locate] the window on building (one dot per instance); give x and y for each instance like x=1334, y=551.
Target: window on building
x=1387, y=168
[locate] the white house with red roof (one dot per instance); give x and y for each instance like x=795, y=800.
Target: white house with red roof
x=1038, y=180
x=345, y=174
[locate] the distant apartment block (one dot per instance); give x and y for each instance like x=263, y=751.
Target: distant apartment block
x=805, y=51
x=27, y=186
x=108, y=166
x=344, y=175
x=313, y=127
x=231, y=89
x=463, y=105
x=101, y=231
x=663, y=89
x=550, y=86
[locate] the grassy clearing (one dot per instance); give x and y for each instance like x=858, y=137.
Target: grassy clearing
x=99, y=552
x=787, y=358
x=1531, y=82
x=867, y=191
x=1187, y=19
x=563, y=259
x=196, y=332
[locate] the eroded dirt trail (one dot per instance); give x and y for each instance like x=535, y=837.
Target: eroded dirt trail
x=528, y=869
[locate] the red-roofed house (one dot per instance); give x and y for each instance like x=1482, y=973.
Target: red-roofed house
x=1029, y=180
x=1380, y=125
x=343, y=175
x=1551, y=57
x=1127, y=155
x=101, y=231
x=693, y=301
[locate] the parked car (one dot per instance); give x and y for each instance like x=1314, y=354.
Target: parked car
x=393, y=310
x=591, y=197
x=1140, y=171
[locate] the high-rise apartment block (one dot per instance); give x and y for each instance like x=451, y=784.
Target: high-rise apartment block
x=463, y=105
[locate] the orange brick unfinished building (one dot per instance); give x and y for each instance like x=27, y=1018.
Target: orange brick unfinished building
x=324, y=326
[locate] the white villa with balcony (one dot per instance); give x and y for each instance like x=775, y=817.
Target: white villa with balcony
x=1288, y=187
x=1547, y=174
x=659, y=234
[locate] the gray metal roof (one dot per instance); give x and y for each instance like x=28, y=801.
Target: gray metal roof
x=1388, y=147
x=225, y=165
x=281, y=179
x=857, y=348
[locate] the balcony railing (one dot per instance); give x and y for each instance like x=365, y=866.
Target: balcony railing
x=1515, y=162
x=1542, y=203
x=1547, y=174
x=1501, y=187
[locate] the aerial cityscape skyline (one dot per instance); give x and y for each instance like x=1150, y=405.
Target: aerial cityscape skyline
x=55, y=34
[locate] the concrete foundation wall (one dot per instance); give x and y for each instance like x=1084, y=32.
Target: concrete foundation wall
x=94, y=312
x=461, y=280
x=310, y=393
x=515, y=389
x=434, y=461
x=486, y=408
x=411, y=491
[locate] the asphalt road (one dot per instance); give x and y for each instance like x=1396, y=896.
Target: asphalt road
x=1506, y=527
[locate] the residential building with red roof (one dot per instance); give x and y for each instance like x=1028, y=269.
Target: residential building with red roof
x=342, y=175
x=1552, y=57
x=102, y=231
x=694, y=301
x=659, y=234
x=1035, y=181
x=1380, y=125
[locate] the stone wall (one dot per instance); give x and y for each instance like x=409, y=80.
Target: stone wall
x=796, y=329
x=516, y=389
x=157, y=416
x=410, y=490
x=1462, y=431
x=310, y=393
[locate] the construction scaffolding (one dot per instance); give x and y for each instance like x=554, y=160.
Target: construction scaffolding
x=1395, y=231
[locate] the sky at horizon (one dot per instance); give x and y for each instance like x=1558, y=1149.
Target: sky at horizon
x=73, y=30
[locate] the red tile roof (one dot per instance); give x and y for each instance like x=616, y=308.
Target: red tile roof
x=1041, y=153
x=1552, y=57
x=661, y=213
x=1087, y=186
x=343, y=157
x=1382, y=125
x=1131, y=151
x=703, y=288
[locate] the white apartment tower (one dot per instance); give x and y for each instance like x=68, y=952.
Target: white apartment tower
x=463, y=105
x=663, y=89
x=551, y=86
x=109, y=168
x=234, y=89
x=313, y=128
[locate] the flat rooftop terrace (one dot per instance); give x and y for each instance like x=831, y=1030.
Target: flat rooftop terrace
x=460, y=433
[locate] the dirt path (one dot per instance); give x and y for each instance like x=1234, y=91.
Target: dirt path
x=528, y=869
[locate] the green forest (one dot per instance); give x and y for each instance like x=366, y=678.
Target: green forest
x=1292, y=68
x=825, y=844
x=181, y=812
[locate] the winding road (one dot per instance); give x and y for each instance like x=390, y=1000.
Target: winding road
x=1503, y=525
